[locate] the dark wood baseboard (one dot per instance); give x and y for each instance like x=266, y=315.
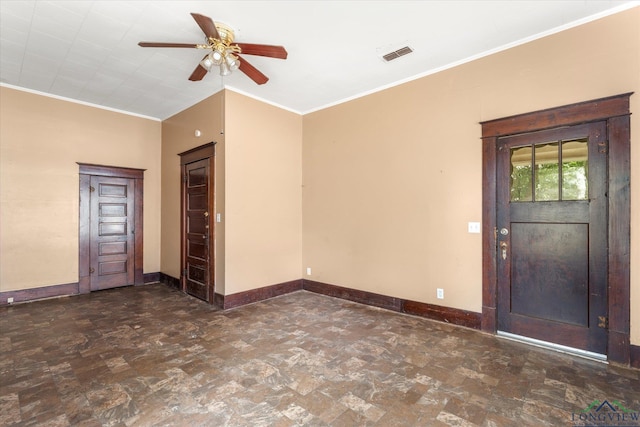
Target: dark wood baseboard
x=454, y=316
x=260, y=294
x=363, y=297
x=151, y=277
x=169, y=280
x=53, y=291
x=635, y=356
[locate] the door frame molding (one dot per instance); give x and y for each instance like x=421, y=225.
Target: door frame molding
x=202, y=152
x=87, y=170
x=614, y=111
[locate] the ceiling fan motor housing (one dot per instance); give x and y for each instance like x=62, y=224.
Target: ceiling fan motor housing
x=225, y=32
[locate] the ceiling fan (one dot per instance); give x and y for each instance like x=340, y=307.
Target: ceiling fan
x=225, y=54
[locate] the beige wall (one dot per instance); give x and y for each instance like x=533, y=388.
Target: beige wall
x=41, y=139
x=258, y=193
x=374, y=194
x=391, y=180
x=178, y=135
x=263, y=194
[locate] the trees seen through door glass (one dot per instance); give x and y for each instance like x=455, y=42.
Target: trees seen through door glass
x=551, y=171
x=546, y=171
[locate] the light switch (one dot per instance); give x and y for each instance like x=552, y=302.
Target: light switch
x=474, y=227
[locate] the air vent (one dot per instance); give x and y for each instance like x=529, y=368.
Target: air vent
x=397, y=53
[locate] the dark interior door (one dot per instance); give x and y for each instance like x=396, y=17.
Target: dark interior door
x=197, y=230
x=112, y=234
x=552, y=236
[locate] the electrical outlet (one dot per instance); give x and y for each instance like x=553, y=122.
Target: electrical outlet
x=440, y=293
x=10, y=300
x=308, y=271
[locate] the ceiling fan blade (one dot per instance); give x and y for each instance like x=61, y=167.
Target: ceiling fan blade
x=199, y=73
x=154, y=44
x=251, y=71
x=206, y=24
x=263, y=50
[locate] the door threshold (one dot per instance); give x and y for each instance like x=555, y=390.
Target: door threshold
x=556, y=347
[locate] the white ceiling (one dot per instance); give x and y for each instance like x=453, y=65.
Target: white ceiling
x=87, y=50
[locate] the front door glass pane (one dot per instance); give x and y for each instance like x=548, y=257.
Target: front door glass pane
x=575, y=162
x=521, y=174
x=547, y=177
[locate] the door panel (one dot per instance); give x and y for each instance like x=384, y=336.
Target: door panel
x=197, y=240
x=112, y=239
x=552, y=236
x=550, y=271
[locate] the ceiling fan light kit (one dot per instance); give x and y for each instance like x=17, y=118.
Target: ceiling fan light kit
x=226, y=61
x=225, y=54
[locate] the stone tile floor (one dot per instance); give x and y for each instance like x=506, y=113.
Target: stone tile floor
x=151, y=356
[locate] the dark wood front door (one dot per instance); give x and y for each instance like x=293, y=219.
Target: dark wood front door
x=552, y=236
x=112, y=232
x=197, y=239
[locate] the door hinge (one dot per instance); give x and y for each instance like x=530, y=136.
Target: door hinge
x=184, y=178
x=91, y=188
x=602, y=147
x=184, y=272
x=603, y=322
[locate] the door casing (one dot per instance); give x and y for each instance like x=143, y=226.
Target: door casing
x=84, y=263
x=615, y=111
